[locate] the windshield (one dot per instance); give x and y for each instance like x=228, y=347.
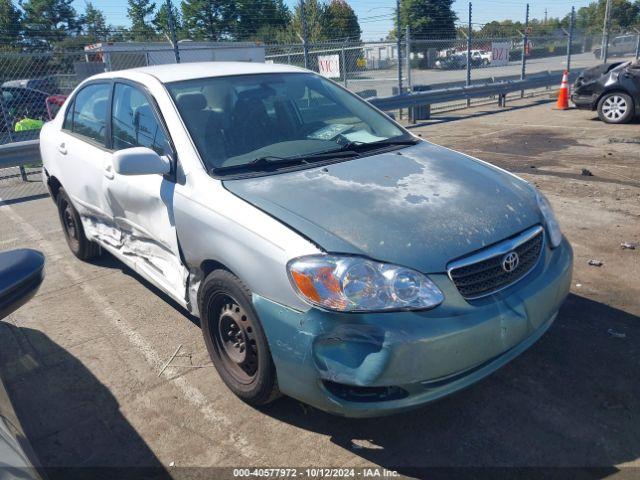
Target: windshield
x=239, y=122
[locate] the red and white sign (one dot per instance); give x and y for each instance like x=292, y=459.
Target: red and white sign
x=329, y=66
x=500, y=53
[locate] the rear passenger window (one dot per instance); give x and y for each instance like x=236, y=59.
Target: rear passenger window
x=68, y=118
x=90, y=112
x=134, y=123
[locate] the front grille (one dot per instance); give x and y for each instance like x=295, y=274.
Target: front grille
x=476, y=279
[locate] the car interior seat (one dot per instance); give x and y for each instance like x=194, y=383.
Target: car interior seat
x=205, y=126
x=99, y=113
x=251, y=125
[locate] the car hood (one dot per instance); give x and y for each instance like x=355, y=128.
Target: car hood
x=593, y=73
x=420, y=206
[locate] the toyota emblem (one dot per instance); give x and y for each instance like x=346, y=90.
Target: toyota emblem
x=510, y=262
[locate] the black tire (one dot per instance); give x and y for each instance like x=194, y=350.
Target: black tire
x=616, y=107
x=235, y=339
x=73, y=231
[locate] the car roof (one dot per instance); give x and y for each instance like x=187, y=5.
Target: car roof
x=188, y=71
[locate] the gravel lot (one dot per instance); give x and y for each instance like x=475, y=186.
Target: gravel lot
x=82, y=359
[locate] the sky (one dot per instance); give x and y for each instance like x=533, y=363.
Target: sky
x=376, y=15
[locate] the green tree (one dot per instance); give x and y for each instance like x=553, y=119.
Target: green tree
x=139, y=12
x=94, y=24
x=503, y=29
x=429, y=19
x=161, y=20
x=46, y=21
x=208, y=19
x=10, y=22
x=314, y=13
x=624, y=15
x=253, y=19
x=341, y=22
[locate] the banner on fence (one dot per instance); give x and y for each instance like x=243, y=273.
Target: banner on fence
x=500, y=53
x=329, y=65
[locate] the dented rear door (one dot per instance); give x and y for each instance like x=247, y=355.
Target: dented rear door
x=81, y=150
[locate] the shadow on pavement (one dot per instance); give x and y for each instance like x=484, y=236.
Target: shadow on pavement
x=70, y=418
x=461, y=115
x=107, y=260
x=572, y=400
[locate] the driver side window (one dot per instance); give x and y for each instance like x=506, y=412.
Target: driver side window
x=134, y=123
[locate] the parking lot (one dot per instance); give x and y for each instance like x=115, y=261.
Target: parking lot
x=84, y=359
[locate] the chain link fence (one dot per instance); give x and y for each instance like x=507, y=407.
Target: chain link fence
x=34, y=84
x=367, y=68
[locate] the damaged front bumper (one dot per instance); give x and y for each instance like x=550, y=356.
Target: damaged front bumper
x=585, y=101
x=361, y=365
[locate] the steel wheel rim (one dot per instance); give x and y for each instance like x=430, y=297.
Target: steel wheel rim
x=69, y=222
x=614, y=107
x=234, y=338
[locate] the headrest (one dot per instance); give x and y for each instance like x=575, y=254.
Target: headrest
x=99, y=109
x=191, y=101
x=296, y=89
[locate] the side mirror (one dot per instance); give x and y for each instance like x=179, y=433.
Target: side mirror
x=21, y=273
x=140, y=161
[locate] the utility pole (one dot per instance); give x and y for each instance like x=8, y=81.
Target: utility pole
x=604, y=51
x=572, y=20
x=525, y=45
x=172, y=30
x=399, y=46
x=469, y=48
x=545, y=16
x=305, y=46
x=407, y=45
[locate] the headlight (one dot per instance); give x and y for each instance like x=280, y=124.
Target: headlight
x=355, y=284
x=553, y=228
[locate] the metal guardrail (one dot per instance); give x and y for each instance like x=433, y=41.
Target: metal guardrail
x=28, y=152
x=18, y=154
x=490, y=89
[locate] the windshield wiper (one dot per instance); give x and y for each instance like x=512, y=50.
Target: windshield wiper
x=274, y=162
x=359, y=146
x=268, y=161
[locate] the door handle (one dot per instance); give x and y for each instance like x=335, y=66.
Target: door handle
x=108, y=171
x=62, y=149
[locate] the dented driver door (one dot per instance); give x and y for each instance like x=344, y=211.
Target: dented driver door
x=142, y=205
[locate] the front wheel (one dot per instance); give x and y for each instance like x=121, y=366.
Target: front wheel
x=616, y=107
x=235, y=339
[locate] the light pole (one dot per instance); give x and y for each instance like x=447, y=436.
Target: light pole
x=305, y=47
x=399, y=47
x=172, y=30
x=604, y=51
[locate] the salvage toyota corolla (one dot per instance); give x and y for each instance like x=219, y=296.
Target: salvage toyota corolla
x=330, y=254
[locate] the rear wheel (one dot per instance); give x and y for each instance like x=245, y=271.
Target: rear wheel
x=235, y=339
x=616, y=107
x=78, y=243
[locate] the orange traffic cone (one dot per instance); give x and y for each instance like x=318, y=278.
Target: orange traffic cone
x=563, y=94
